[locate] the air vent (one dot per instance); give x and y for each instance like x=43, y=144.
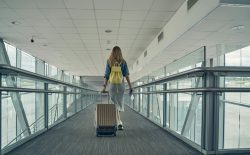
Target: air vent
x=160, y=37
x=145, y=53
x=190, y=3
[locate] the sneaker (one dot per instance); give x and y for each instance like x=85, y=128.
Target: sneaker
x=120, y=127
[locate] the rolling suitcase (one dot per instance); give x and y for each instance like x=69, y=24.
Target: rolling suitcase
x=106, y=119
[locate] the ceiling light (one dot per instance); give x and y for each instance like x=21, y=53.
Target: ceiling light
x=108, y=31
x=15, y=23
x=237, y=28
x=108, y=49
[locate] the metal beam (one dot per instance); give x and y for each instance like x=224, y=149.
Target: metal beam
x=16, y=98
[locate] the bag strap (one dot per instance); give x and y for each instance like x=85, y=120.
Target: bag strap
x=118, y=64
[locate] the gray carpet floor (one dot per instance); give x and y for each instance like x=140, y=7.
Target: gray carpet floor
x=76, y=136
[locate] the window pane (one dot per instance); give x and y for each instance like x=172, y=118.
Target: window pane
x=11, y=51
x=27, y=62
x=233, y=58
x=245, y=54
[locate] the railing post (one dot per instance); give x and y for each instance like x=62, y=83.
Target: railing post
x=164, y=106
x=148, y=102
x=210, y=115
x=0, y=114
x=139, y=100
x=81, y=99
x=75, y=101
x=65, y=101
x=46, y=106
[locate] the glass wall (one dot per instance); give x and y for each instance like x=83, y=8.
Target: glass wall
x=177, y=104
x=235, y=106
x=23, y=113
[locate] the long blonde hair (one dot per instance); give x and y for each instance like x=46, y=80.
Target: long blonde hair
x=116, y=56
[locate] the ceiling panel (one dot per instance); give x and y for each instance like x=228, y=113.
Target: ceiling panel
x=160, y=15
x=153, y=24
x=89, y=36
x=137, y=5
x=24, y=4
x=130, y=24
x=85, y=23
x=61, y=22
x=149, y=31
x=134, y=15
x=66, y=30
x=51, y=4
x=126, y=37
x=108, y=23
x=88, y=30
x=128, y=31
x=108, y=14
x=55, y=13
x=81, y=14
x=30, y=13
x=108, y=4
x=166, y=5
x=79, y=4
x=7, y=13
x=37, y=22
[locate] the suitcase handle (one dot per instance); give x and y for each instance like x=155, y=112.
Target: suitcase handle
x=106, y=93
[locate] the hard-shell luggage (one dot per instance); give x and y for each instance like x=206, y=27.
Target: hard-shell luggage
x=106, y=119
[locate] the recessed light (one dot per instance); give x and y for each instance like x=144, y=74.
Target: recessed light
x=108, y=31
x=15, y=23
x=237, y=28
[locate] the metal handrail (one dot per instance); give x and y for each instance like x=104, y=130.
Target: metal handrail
x=196, y=90
x=7, y=69
x=31, y=90
x=193, y=73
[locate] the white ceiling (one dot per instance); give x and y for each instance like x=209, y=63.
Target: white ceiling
x=74, y=30
x=213, y=30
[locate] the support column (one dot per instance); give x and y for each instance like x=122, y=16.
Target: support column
x=164, y=106
x=75, y=100
x=46, y=106
x=39, y=97
x=139, y=100
x=148, y=102
x=81, y=99
x=211, y=107
x=65, y=101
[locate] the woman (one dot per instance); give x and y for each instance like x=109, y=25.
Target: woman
x=117, y=88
